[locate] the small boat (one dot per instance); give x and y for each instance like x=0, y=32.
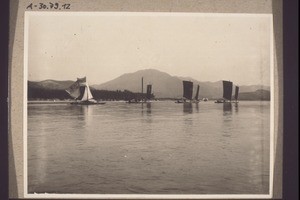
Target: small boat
x=205, y=99
x=89, y=102
x=142, y=99
x=180, y=101
x=220, y=101
x=133, y=101
x=81, y=92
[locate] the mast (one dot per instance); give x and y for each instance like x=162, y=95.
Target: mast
x=197, y=93
x=87, y=93
x=187, y=89
x=227, y=90
x=142, y=85
x=142, y=88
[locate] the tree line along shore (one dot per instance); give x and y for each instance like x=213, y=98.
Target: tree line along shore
x=106, y=95
x=43, y=94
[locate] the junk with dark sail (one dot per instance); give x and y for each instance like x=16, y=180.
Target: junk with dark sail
x=227, y=93
x=187, y=91
x=141, y=98
x=227, y=90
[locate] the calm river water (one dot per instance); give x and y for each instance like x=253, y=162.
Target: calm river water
x=155, y=148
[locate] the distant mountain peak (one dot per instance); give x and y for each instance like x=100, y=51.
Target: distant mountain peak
x=164, y=85
x=150, y=71
x=143, y=72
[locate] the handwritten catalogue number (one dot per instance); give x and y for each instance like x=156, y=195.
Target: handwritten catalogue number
x=49, y=6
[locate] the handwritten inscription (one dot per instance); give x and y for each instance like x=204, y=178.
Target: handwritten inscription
x=49, y=6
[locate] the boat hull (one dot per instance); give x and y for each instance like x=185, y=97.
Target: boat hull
x=219, y=101
x=182, y=101
x=134, y=101
x=88, y=103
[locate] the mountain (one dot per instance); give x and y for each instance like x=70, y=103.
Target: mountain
x=163, y=86
x=211, y=90
x=252, y=88
x=50, y=84
x=167, y=86
x=256, y=95
x=48, y=89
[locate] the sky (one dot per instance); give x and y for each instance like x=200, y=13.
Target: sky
x=104, y=45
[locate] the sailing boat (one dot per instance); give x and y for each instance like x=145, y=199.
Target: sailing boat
x=81, y=92
x=187, y=91
x=227, y=92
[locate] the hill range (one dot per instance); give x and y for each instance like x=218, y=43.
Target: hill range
x=163, y=84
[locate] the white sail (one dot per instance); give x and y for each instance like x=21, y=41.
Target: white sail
x=80, y=90
x=87, y=95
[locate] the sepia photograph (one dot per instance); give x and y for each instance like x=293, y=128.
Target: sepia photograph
x=148, y=105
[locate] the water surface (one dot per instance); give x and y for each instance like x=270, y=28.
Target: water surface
x=153, y=148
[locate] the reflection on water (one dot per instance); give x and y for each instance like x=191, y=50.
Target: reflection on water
x=148, y=107
x=187, y=107
x=227, y=108
x=236, y=107
x=227, y=121
x=197, y=107
x=156, y=148
x=86, y=113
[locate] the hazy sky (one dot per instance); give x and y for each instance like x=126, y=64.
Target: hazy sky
x=103, y=46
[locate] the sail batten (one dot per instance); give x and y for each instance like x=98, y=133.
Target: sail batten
x=227, y=90
x=188, y=89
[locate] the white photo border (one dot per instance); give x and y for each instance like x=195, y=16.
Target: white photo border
x=149, y=196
